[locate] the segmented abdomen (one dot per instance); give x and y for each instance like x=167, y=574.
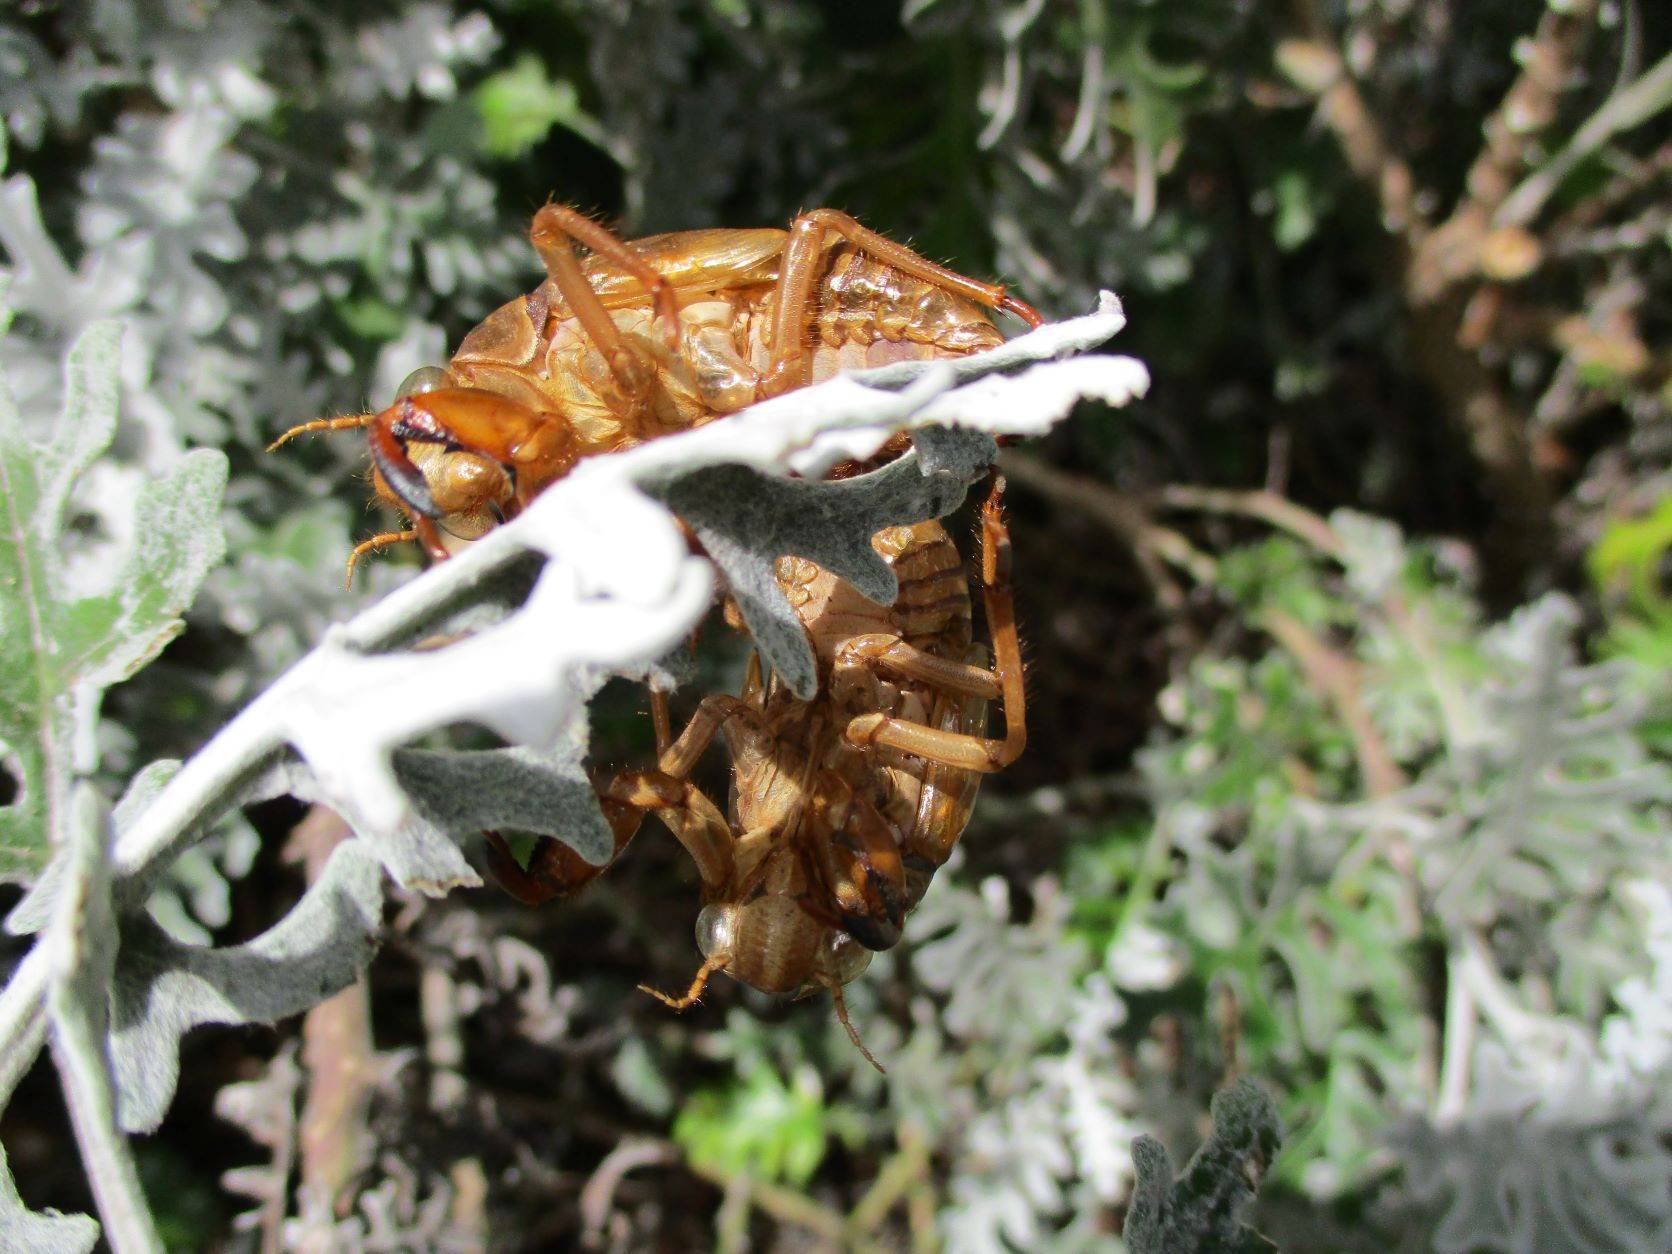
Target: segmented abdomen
x=862, y=300
x=932, y=611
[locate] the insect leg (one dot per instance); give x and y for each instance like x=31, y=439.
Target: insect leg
x=383, y=541
x=894, y=656
x=945, y=797
x=754, y=683
x=695, y=820
x=556, y=225
x=684, y=809
x=554, y=233
x=661, y=721
x=802, y=257
x=791, y=364
x=555, y=870
x=972, y=753
x=694, y=993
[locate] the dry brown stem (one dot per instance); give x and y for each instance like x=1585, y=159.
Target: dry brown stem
x=1318, y=66
x=1440, y=268
x=1337, y=678
x=1153, y=547
x=898, y=1177
x=787, y=1206
x=337, y=1052
x=1262, y=504
x=597, y=1198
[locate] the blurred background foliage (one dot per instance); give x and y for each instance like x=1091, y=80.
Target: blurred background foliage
x=1349, y=717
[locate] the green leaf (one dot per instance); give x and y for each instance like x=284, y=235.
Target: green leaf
x=772, y=1130
x=1296, y=200
x=519, y=105
x=370, y=318
x=60, y=649
x=1627, y=561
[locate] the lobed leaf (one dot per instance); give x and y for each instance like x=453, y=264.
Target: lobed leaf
x=58, y=651
x=1202, y=1210
x=164, y=988
x=40, y=1232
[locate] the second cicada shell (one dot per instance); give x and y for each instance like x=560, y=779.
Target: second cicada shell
x=636, y=340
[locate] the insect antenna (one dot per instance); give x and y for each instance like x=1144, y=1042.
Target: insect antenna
x=350, y=423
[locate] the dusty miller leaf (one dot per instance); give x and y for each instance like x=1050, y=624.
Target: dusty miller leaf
x=1545, y=1158
x=734, y=508
x=614, y=588
x=1562, y=792
x=58, y=650
x=164, y=988
x=40, y=1232
x=547, y=793
x=1202, y=1209
x=81, y=947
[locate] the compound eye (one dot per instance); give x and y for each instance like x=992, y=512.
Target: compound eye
x=843, y=958
x=716, y=930
x=423, y=379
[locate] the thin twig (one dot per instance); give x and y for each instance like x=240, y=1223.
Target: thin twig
x=731, y=1223
x=597, y=1198
x=921, y=1209
x=785, y=1205
x=1451, y=253
x=337, y=1052
x=1259, y=503
x=1528, y=108
x=1346, y=114
x=1434, y=265
x=1153, y=547
x=894, y=1181
x=1337, y=678
x=1625, y=109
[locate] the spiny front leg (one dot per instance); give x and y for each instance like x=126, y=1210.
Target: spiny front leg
x=464, y=458
x=555, y=870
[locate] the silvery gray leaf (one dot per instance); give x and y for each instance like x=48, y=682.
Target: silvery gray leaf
x=1203, y=1209
x=163, y=988
x=40, y=1232
x=745, y=519
x=521, y=788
